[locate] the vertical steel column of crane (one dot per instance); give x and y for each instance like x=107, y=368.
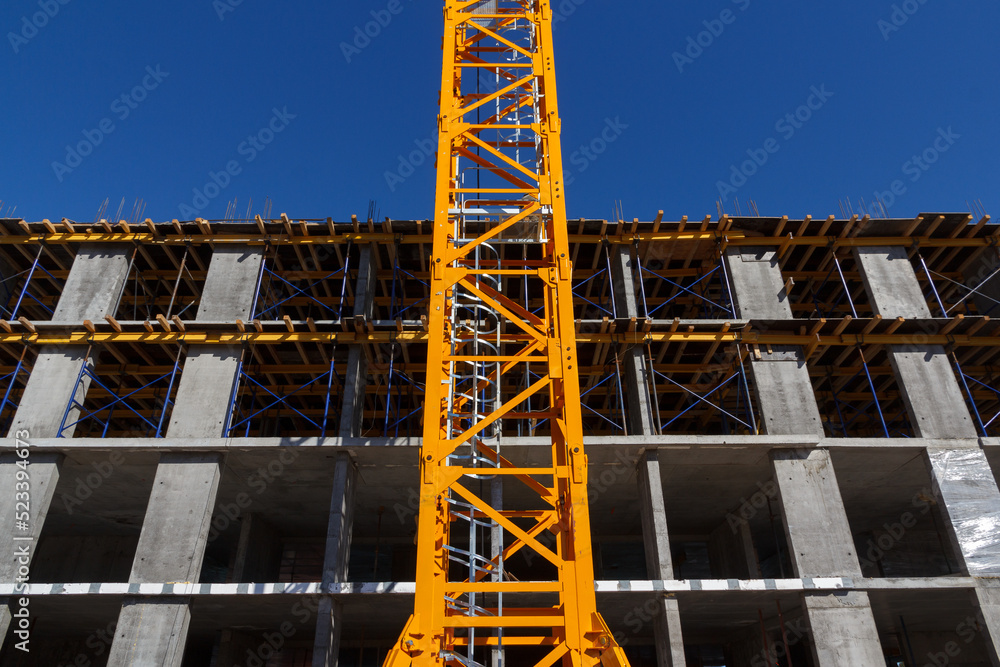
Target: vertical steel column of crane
x=500, y=186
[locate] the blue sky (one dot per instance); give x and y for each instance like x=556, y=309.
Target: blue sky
x=688, y=91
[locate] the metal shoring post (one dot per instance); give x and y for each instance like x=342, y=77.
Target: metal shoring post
x=930, y=280
x=836, y=403
x=13, y=379
x=388, y=395
x=235, y=390
x=260, y=279
x=72, y=396
x=27, y=282
x=170, y=389
x=611, y=279
x=968, y=392
x=729, y=289
x=343, y=283
x=843, y=281
x=871, y=385
x=647, y=364
x=746, y=389
x=621, y=398
x=177, y=282
x=329, y=389
x=131, y=265
x=642, y=282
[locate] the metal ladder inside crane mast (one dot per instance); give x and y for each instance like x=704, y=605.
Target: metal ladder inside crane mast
x=501, y=358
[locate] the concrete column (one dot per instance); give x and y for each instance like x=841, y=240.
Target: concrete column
x=43, y=470
x=326, y=649
x=820, y=541
x=652, y=507
x=819, y=536
x=843, y=630
x=639, y=408
x=92, y=291
x=988, y=598
x=357, y=361
x=178, y=518
x=933, y=398
x=784, y=391
x=732, y=553
x=258, y=553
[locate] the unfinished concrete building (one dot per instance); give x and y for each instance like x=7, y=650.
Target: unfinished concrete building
x=791, y=427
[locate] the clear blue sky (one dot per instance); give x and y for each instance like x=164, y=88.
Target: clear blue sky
x=220, y=81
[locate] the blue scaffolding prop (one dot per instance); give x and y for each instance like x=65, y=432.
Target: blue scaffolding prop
x=889, y=426
x=743, y=405
x=152, y=428
x=8, y=408
x=819, y=310
x=394, y=416
x=698, y=289
x=397, y=305
x=11, y=313
x=274, y=281
x=605, y=306
x=243, y=421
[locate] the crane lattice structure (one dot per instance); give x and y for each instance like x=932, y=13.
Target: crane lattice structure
x=500, y=219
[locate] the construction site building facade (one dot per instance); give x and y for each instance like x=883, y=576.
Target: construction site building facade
x=213, y=430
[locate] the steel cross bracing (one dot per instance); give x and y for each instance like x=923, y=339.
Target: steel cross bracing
x=500, y=212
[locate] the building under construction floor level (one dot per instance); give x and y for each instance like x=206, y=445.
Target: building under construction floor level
x=792, y=428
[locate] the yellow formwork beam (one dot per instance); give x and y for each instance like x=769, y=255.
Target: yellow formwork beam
x=278, y=338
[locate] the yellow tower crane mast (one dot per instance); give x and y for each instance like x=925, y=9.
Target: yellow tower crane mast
x=502, y=360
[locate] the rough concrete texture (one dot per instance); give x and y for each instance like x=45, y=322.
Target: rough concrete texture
x=970, y=501
x=43, y=471
x=785, y=393
x=667, y=632
x=669, y=638
x=843, y=630
x=94, y=284
x=326, y=647
x=988, y=598
x=231, y=284
x=816, y=526
x=757, y=284
x=653, y=511
x=202, y=405
x=891, y=282
x=623, y=281
x=178, y=518
x=150, y=633
x=934, y=401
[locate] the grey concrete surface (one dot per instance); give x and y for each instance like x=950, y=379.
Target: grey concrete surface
x=891, y=283
x=785, y=393
x=816, y=526
x=326, y=647
x=151, y=633
x=202, y=405
x=758, y=288
x=843, y=630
